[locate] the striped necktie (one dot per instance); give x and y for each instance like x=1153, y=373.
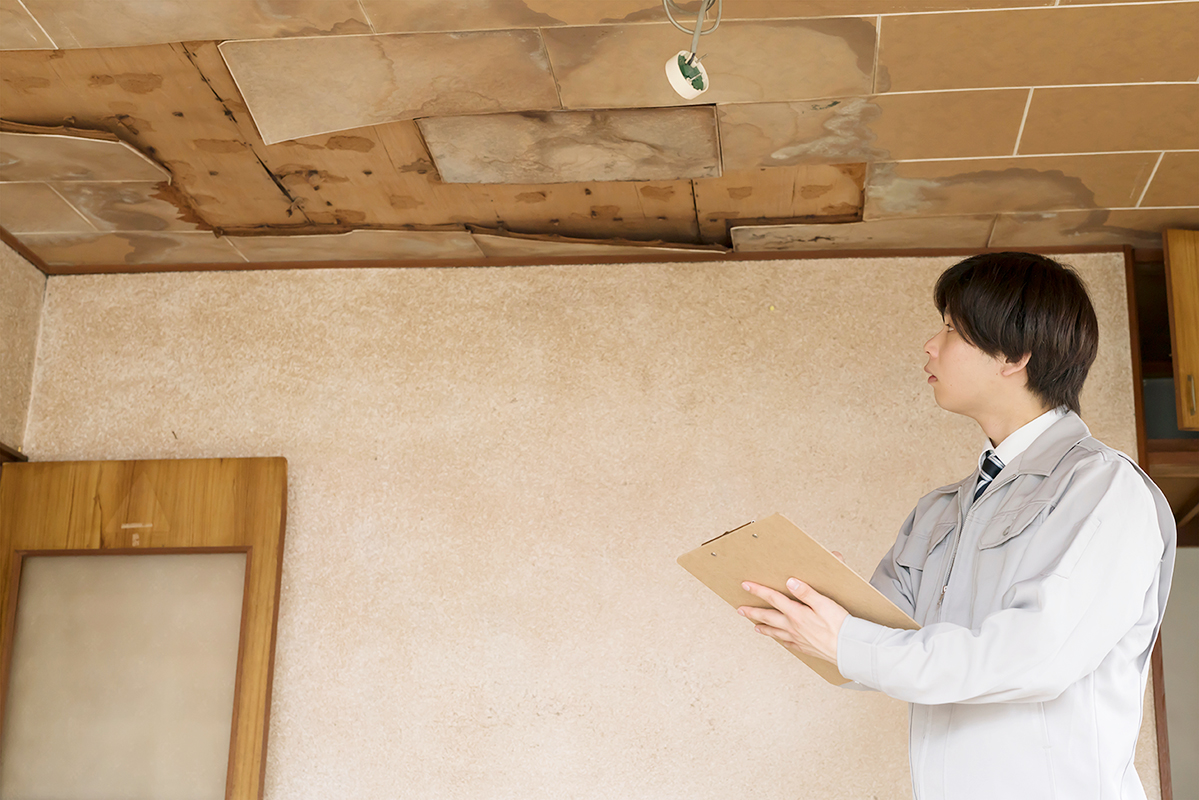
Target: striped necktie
x=990, y=468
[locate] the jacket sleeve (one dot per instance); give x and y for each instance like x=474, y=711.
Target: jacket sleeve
x=895, y=581
x=1053, y=629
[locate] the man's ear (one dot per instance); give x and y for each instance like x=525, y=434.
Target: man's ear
x=1012, y=367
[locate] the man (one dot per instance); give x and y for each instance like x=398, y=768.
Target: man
x=1039, y=581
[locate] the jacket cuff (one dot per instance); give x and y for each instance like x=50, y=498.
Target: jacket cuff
x=855, y=650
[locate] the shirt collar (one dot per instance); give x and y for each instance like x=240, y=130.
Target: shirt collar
x=1019, y=440
x=1040, y=457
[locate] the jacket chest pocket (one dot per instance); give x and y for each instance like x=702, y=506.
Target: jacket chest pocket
x=1004, y=529
x=916, y=550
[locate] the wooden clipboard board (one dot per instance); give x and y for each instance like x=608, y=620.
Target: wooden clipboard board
x=774, y=549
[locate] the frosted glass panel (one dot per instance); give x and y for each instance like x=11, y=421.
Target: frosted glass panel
x=122, y=677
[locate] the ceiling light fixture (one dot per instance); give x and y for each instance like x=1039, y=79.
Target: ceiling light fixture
x=686, y=74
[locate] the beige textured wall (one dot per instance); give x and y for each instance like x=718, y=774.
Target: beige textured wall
x=492, y=472
x=21, y=288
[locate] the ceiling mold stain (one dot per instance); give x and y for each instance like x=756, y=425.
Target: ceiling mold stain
x=403, y=202
x=359, y=144
x=1016, y=188
x=295, y=173
x=531, y=197
x=654, y=192
x=132, y=82
x=812, y=191
x=26, y=84
x=187, y=213
x=847, y=136
x=219, y=145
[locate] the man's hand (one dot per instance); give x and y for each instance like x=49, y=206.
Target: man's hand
x=808, y=627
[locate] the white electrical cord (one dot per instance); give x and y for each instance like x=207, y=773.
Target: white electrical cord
x=704, y=6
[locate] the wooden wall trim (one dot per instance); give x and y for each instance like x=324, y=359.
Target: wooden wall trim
x=1138, y=393
x=650, y=257
x=1134, y=337
x=8, y=454
x=25, y=252
x=1159, y=715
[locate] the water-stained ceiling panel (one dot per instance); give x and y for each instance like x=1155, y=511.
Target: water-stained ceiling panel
x=156, y=99
x=1139, y=227
x=1050, y=183
x=832, y=191
x=304, y=87
x=171, y=247
x=876, y=128
x=358, y=246
x=123, y=23
x=568, y=146
x=72, y=156
x=618, y=66
x=808, y=124
x=37, y=208
x=968, y=231
x=496, y=245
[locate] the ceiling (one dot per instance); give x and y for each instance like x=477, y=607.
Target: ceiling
x=233, y=131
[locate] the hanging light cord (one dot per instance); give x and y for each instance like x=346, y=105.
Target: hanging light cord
x=699, y=21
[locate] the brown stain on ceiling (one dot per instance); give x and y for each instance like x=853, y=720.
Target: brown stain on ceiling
x=130, y=82
x=358, y=144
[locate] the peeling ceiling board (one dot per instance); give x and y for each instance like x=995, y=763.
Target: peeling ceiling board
x=58, y=158
x=499, y=246
x=972, y=231
x=304, y=87
x=618, y=66
x=123, y=23
x=156, y=99
x=778, y=193
x=571, y=146
x=809, y=128
x=359, y=245
x=82, y=249
x=1139, y=227
x=642, y=211
x=875, y=128
x=1049, y=183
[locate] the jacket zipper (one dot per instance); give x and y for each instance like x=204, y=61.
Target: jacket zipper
x=953, y=554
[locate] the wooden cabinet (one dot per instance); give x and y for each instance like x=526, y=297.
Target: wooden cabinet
x=1182, y=288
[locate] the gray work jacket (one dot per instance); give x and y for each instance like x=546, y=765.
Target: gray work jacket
x=1039, y=605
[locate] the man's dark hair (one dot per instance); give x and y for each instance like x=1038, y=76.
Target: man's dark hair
x=1010, y=304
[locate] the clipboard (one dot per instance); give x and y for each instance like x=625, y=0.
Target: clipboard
x=774, y=549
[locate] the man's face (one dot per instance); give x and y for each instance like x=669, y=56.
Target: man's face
x=965, y=380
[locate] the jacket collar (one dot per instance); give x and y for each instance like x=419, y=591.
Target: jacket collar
x=1040, y=458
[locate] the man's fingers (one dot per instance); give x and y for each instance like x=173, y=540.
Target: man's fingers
x=804, y=593
x=840, y=557
x=778, y=634
x=776, y=599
